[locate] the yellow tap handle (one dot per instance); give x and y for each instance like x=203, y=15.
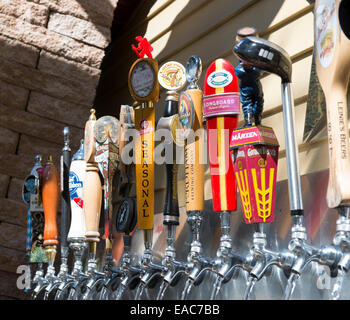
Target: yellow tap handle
x=194, y=162
x=144, y=148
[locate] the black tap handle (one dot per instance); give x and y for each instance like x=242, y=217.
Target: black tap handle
x=65, y=197
x=171, y=207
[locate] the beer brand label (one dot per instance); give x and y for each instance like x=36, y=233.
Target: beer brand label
x=221, y=104
x=172, y=76
x=34, y=203
x=186, y=115
x=28, y=188
x=30, y=195
x=142, y=79
x=75, y=189
x=253, y=135
x=175, y=129
x=146, y=127
x=326, y=31
x=144, y=148
x=262, y=151
x=219, y=79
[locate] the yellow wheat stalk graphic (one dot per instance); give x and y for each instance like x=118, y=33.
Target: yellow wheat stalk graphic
x=244, y=191
x=263, y=205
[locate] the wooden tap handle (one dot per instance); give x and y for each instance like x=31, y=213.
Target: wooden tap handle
x=92, y=191
x=92, y=188
x=332, y=49
x=50, y=199
x=194, y=160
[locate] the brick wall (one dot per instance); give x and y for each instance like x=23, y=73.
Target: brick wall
x=50, y=57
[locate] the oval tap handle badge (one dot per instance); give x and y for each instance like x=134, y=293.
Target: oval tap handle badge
x=186, y=106
x=172, y=76
x=221, y=91
x=142, y=82
x=326, y=31
x=186, y=116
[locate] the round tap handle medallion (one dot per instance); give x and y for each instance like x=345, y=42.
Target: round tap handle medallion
x=175, y=128
x=193, y=71
x=143, y=84
x=186, y=115
x=125, y=218
x=172, y=76
x=107, y=127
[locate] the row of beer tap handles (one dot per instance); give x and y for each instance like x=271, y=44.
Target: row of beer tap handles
x=226, y=89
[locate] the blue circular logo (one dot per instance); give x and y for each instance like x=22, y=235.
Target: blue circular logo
x=74, y=183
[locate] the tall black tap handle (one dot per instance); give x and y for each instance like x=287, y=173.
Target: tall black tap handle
x=65, y=197
x=171, y=207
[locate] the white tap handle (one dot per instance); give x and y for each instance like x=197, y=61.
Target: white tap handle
x=76, y=177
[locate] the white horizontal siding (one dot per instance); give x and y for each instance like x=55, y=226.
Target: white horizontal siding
x=207, y=28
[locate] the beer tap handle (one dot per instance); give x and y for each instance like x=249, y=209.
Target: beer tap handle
x=30, y=195
x=191, y=104
x=127, y=120
x=65, y=203
x=76, y=177
x=144, y=88
x=221, y=120
x=50, y=199
x=171, y=76
x=123, y=128
x=332, y=44
x=92, y=188
x=126, y=213
x=171, y=207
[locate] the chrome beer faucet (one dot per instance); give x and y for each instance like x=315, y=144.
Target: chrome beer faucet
x=130, y=277
x=197, y=264
x=227, y=261
x=335, y=256
x=77, y=276
x=150, y=271
x=342, y=241
x=76, y=234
